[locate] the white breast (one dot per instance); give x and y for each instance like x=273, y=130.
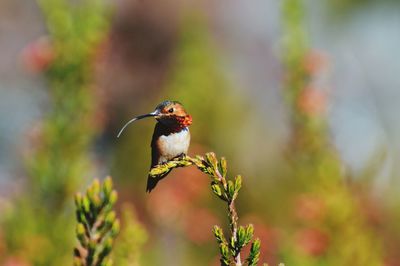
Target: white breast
x=174, y=144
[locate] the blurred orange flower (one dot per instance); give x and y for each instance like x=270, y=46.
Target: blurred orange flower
x=171, y=202
x=312, y=241
x=309, y=208
x=269, y=237
x=16, y=261
x=199, y=224
x=38, y=55
x=315, y=62
x=312, y=101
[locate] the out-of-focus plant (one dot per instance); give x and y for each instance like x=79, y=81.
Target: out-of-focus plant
x=226, y=189
x=75, y=31
x=60, y=150
x=97, y=225
x=329, y=228
x=131, y=239
x=195, y=76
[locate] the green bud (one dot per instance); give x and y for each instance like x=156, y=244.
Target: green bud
x=223, y=166
x=232, y=243
x=107, y=262
x=86, y=204
x=241, y=237
x=78, y=200
x=96, y=237
x=80, y=230
x=199, y=157
x=224, y=250
x=216, y=189
x=92, y=245
x=199, y=162
x=113, y=197
x=249, y=233
x=108, y=244
x=231, y=189
x=107, y=186
x=80, y=216
x=238, y=183
x=95, y=186
x=115, y=228
x=77, y=261
x=159, y=170
x=211, y=160
x=110, y=217
x=185, y=163
x=255, y=247
x=254, y=255
x=209, y=170
x=96, y=201
x=219, y=234
x=91, y=194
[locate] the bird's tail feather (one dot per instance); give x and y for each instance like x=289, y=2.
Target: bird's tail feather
x=152, y=181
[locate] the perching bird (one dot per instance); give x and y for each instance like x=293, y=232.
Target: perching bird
x=171, y=135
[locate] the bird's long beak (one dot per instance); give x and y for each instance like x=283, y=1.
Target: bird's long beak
x=155, y=113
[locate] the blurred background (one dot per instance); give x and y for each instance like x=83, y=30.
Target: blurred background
x=301, y=97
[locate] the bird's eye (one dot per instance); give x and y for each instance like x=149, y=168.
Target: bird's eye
x=171, y=110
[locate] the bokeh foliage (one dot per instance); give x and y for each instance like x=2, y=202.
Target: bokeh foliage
x=97, y=224
x=327, y=227
x=39, y=228
x=338, y=233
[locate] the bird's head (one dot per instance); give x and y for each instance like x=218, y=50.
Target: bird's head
x=172, y=113
x=169, y=113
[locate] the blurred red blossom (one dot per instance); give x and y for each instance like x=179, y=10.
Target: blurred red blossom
x=315, y=62
x=166, y=205
x=38, y=55
x=312, y=101
x=16, y=261
x=199, y=223
x=269, y=237
x=170, y=203
x=309, y=208
x=312, y=241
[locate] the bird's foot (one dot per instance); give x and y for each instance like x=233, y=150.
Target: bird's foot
x=180, y=157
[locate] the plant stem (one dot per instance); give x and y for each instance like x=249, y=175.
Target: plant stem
x=233, y=217
x=227, y=190
x=232, y=213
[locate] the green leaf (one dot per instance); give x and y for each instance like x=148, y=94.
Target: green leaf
x=223, y=166
x=159, y=170
x=86, y=204
x=78, y=201
x=219, y=234
x=113, y=197
x=95, y=187
x=254, y=255
x=110, y=218
x=217, y=190
x=231, y=189
x=81, y=234
x=211, y=159
x=107, y=186
x=116, y=227
x=238, y=183
x=224, y=250
x=240, y=237
x=249, y=234
x=97, y=225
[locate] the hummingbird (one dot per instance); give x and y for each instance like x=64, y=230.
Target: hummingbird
x=171, y=136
